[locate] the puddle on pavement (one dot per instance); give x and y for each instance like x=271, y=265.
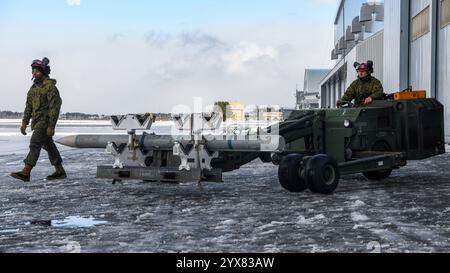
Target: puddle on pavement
x=70, y=222
x=5, y=231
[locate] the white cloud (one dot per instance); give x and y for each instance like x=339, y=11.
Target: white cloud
x=73, y=2
x=245, y=53
x=155, y=70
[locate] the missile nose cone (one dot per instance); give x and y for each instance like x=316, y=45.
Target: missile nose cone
x=69, y=141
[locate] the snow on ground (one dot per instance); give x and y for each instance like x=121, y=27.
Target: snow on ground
x=249, y=212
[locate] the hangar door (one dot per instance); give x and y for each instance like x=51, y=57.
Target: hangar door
x=443, y=61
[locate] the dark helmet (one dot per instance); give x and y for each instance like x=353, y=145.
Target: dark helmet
x=42, y=66
x=368, y=67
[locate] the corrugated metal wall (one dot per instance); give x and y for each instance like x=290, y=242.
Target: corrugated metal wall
x=443, y=60
x=420, y=53
x=351, y=74
x=372, y=49
x=392, y=30
x=330, y=94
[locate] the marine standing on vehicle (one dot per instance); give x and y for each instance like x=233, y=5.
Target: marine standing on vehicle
x=365, y=89
x=42, y=107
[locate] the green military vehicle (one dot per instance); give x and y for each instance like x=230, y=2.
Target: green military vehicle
x=313, y=149
x=322, y=145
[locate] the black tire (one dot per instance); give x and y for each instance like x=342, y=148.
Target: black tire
x=383, y=174
x=288, y=173
x=378, y=175
x=265, y=157
x=322, y=174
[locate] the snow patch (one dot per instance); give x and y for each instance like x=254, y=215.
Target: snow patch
x=14, y=163
x=358, y=203
x=9, y=231
x=358, y=217
x=144, y=216
x=77, y=222
x=268, y=232
x=228, y=222
x=271, y=249
x=221, y=239
x=272, y=224
x=319, y=217
x=301, y=220
x=8, y=212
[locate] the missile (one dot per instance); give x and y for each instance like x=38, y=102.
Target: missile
x=166, y=142
x=101, y=141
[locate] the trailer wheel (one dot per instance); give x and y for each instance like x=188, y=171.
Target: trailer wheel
x=289, y=173
x=322, y=174
x=378, y=175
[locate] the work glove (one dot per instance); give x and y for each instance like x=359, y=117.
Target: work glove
x=369, y=100
x=50, y=131
x=23, y=129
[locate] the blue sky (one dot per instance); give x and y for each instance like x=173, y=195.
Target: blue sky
x=142, y=13
x=248, y=50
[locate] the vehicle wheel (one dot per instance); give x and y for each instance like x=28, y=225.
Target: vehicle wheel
x=322, y=174
x=289, y=173
x=378, y=175
x=265, y=157
x=383, y=174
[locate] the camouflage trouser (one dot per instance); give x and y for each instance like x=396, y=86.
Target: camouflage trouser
x=40, y=140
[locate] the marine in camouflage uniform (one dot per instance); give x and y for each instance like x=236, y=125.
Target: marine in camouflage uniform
x=365, y=89
x=42, y=107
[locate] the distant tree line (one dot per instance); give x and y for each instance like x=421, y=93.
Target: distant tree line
x=78, y=116
x=224, y=105
x=82, y=116
x=163, y=117
x=10, y=115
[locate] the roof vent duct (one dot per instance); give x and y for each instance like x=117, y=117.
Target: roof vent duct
x=366, y=13
x=356, y=25
x=349, y=36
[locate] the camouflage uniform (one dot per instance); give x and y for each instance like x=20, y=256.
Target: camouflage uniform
x=363, y=88
x=43, y=107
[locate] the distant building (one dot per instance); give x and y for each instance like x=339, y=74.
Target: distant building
x=270, y=114
x=309, y=98
x=265, y=114
x=235, y=111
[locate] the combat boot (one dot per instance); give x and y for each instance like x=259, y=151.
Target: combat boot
x=59, y=174
x=24, y=175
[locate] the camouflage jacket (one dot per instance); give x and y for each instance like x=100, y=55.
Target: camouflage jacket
x=43, y=105
x=361, y=89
